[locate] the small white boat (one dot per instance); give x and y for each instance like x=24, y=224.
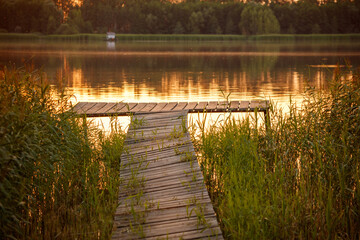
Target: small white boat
x=110, y=36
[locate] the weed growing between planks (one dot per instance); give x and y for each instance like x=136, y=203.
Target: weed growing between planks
x=59, y=176
x=133, y=185
x=195, y=204
x=299, y=179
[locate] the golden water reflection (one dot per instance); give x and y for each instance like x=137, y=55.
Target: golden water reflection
x=180, y=86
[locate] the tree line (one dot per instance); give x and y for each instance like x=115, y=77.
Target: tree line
x=187, y=17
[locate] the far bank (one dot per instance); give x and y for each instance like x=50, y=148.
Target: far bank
x=182, y=37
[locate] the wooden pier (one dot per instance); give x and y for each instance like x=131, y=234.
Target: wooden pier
x=162, y=192
x=102, y=109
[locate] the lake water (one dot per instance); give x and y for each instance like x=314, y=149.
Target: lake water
x=183, y=71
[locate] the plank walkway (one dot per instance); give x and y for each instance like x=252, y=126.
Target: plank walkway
x=101, y=109
x=162, y=191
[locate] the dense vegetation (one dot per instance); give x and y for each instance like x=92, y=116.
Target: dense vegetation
x=299, y=179
x=186, y=17
x=56, y=180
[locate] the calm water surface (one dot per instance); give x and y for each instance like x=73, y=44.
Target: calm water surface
x=163, y=71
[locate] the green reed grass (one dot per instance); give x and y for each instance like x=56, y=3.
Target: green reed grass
x=298, y=179
x=59, y=177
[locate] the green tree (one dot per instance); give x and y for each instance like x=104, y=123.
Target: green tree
x=151, y=23
x=270, y=22
x=196, y=22
x=76, y=21
x=102, y=14
x=213, y=26
x=306, y=15
x=179, y=29
x=230, y=26
x=315, y=29
x=258, y=19
x=52, y=26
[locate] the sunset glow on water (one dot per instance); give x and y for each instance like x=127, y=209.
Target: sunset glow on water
x=182, y=71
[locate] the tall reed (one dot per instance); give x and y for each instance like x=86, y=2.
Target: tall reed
x=59, y=176
x=298, y=179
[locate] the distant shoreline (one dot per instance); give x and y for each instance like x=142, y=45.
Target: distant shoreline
x=182, y=37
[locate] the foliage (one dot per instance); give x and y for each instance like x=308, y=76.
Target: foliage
x=76, y=21
x=57, y=180
x=29, y=16
x=297, y=179
x=257, y=19
x=195, y=17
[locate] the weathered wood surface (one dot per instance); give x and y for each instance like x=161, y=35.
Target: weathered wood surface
x=99, y=109
x=162, y=191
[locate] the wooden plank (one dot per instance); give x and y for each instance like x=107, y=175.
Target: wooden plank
x=155, y=123
x=211, y=106
x=144, y=147
x=170, y=214
x=180, y=106
x=159, y=193
x=163, y=143
x=158, y=107
x=160, y=116
x=138, y=107
x=210, y=233
x=148, y=107
x=158, y=162
x=190, y=106
x=170, y=227
x=168, y=173
x=264, y=104
x=95, y=108
x=234, y=105
x=260, y=105
x=128, y=107
x=159, y=145
x=180, y=169
x=201, y=106
x=133, y=144
x=79, y=106
x=167, y=151
x=222, y=105
x=161, y=204
x=213, y=233
x=179, y=226
x=118, y=108
x=244, y=105
x=155, y=154
x=85, y=108
x=156, y=194
x=106, y=108
x=154, y=130
x=169, y=106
